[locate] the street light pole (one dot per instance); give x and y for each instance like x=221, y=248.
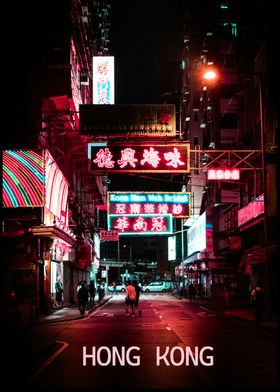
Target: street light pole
x=264, y=183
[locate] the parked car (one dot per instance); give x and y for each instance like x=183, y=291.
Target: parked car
x=120, y=287
x=155, y=287
x=169, y=284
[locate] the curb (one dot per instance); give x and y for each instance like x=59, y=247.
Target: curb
x=69, y=318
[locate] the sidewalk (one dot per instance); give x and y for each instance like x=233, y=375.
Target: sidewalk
x=248, y=314
x=67, y=313
x=239, y=311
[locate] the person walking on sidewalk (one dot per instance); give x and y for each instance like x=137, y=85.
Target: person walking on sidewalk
x=82, y=298
x=192, y=292
x=257, y=299
x=58, y=292
x=91, y=289
x=138, y=290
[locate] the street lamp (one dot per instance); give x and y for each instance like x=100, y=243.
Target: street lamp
x=264, y=183
x=210, y=74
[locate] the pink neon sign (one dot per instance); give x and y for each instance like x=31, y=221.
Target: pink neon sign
x=251, y=211
x=145, y=158
x=141, y=224
x=223, y=174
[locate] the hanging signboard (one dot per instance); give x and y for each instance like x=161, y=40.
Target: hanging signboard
x=143, y=224
x=175, y=203
x=142, y=158
x=119, y=120
x=109, y=235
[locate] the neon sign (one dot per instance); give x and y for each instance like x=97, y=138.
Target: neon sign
x=103, y=80
x=251, y=211
x=175, y=203
x=145, y=158
x=23, y=178
x=143, y=224
x=223, y=174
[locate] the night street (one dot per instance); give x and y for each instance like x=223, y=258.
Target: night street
x=244, y=355
x=139, y=159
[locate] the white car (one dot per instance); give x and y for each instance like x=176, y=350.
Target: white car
x=120, y=288
x=155, y=287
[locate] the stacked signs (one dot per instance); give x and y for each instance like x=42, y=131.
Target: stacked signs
x=145, y=213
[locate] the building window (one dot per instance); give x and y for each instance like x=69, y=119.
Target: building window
x=229, y=120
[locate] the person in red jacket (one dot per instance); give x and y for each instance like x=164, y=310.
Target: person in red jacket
x=130, y=298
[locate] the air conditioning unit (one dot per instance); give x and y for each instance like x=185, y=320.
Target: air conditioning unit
x=85, y=82
x=85, y=10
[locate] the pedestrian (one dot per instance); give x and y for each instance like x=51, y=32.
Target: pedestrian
x=257, y=299
x=138, y=290
x=192, y=292
x=130, y=298
x=114, y=288
x=58, y=292
x=92, y=290
x=82, y=298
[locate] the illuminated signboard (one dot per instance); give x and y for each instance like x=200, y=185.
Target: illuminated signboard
x=118, y=120
x=142, y=224
x=168, y=158
x=171, y=248
x=33, y=179
x=197, y=235
x=103, y=80
x=175, y=203
x=23, y=178
x=109, y=235
x=223, y=174
x=251, y=211
x=56, y=189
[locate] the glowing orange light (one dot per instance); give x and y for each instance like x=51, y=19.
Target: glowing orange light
x=210, y=75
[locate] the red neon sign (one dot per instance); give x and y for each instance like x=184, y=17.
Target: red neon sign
x=141, y=224
x=223, y=174
x=145, y=158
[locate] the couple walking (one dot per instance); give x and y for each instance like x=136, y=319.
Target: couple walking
x=132, y=294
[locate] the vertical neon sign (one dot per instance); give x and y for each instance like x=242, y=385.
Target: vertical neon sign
x=103, y=80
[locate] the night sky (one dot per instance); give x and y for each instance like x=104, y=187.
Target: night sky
x=146, y=40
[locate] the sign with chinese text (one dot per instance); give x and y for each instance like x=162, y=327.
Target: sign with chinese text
x=109, y=235
x=121, y=119
x=143, y=224
x=175, y=203
x=160, y=158
x=103, y=80
x=223, y=174
x=251, y=211
x=197, y=235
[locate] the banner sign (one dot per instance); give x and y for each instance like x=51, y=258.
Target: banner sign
x=119, y=120
x=175, y=203
x=223, y=174
x=109, y=235
x=159, y=158
x=143, y=224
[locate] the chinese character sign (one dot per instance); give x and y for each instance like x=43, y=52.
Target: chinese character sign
x=142, y=224
x=223, y=174
x=103, y=80
x=175, y=203
x=171, y=158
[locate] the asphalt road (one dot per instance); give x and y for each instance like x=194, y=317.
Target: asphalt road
x=173, y=345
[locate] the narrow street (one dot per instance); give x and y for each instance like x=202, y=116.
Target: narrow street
x=149, y=359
